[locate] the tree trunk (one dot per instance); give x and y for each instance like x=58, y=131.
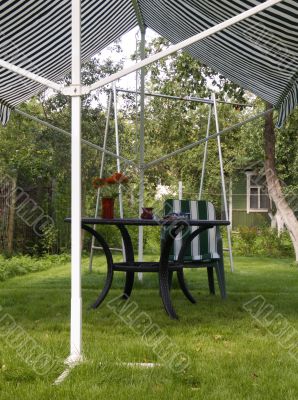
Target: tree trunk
x=11, y=218
x=277, y=222
x=273, y=183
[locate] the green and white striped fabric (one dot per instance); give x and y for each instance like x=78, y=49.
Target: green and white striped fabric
x=204, y=246
x=258, y=54
x=5, y=113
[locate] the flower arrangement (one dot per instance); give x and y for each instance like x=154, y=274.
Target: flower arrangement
x=110, y=186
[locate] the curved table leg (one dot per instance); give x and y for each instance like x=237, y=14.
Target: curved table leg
x=129, y=281
x=184, y=288
x=164, y=268
x=180, y=274
x=129, y=257
x=170, y=279
x=109, y=259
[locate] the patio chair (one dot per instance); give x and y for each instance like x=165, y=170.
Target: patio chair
x=205, y=250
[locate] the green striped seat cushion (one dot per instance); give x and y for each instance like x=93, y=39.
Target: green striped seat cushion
x=203, y=247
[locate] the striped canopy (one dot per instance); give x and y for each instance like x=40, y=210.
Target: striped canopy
x=259, y=53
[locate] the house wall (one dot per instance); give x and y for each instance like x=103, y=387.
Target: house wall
x=240, y=217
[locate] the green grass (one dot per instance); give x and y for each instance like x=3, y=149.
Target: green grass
x=231, y=355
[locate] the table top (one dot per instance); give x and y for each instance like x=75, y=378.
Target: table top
x=150, y=222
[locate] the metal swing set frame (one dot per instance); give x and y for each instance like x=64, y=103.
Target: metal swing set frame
x=212, y=104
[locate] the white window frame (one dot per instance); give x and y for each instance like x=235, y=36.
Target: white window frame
x=249, y=174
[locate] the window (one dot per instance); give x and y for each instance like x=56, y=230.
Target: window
x=257, y=194
x=254, y=197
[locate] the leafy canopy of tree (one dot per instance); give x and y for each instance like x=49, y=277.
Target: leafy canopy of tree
x=40, y=157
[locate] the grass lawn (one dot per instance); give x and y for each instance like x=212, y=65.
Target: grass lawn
x=232, y=355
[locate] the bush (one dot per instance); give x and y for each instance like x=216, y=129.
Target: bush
x=21, y=265
x=263, y=242
x=247, y=240
x=49, y=239
x=276, y=246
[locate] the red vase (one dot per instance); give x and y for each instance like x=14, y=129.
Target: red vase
x=107, y=207
x=147, y=213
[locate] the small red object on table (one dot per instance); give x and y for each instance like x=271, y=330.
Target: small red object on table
x=147, y=213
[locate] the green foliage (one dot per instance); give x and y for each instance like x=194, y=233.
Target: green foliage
x=49, y=239
x=262, y=241
x=275, y=246
x=21, y=265
x=40, y=158
x=247, y=240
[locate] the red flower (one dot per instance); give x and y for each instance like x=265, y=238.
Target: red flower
x=111, y=180
x=120, y=177
x=116, y=178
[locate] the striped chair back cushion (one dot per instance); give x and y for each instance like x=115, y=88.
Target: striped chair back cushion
x=203, y=247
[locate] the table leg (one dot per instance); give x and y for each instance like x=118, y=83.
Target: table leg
x=183, y=286
x=129, y=281
x=164, y=268
x=129, y=257
x=180, y=274
x=170, y=279
x=109, y=258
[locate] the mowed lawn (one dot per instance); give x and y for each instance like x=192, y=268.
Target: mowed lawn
x=231, y=355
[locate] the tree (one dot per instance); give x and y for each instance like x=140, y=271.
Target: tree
x=274, y=184
x=39, y=158
x=181, y=75
x=171, y=124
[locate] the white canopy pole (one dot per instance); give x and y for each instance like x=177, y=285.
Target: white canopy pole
x=31, y=75
x=205, y=154
x=76, y=299
x=185, y=43
x=222, y=175
x=142, y=150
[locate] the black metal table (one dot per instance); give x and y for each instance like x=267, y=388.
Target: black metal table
x=164, y=267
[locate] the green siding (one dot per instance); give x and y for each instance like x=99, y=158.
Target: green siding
x=239, y=192
x=239, y=199
x=241, y=218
